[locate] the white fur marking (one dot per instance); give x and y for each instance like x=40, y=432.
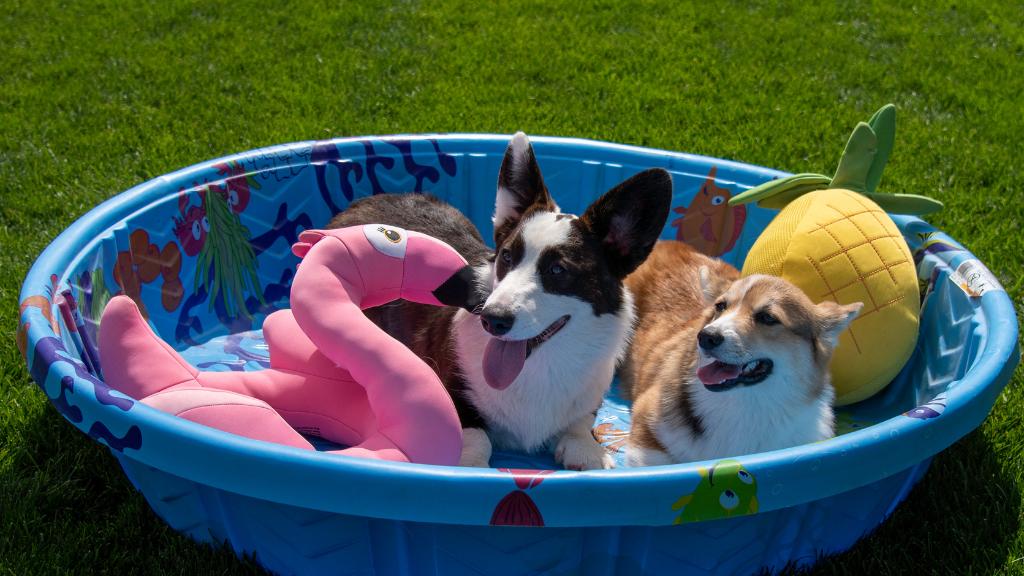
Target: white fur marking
x=772, y=415
x=577, y=449
x=640, y=456
x=521, y=292
x=505, y=203
x=476, y=449
x=565, y=379
x=504, y=207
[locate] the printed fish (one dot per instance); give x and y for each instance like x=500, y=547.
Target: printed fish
x=143, y=263
x=709, y=224
x=725, y=490
x=612, y=438
x=44, y=304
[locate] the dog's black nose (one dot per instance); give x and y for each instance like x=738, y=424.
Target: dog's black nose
x=497, y=324
x=708, y=338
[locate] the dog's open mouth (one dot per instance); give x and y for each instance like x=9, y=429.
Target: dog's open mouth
x=546, y=334
x=718, y=376
x=504, y=359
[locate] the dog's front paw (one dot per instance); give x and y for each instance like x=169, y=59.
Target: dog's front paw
x=575, y=453
x=476, y=449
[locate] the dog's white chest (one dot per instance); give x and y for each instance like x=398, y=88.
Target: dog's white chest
x=562, y=381
x=747, y=423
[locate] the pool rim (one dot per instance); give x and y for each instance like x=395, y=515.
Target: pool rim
x=320, y=474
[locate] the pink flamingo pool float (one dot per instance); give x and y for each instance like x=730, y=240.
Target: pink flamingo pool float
x=333, y=373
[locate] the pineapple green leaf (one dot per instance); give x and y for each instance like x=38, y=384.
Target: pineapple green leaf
x=788, y=188
x=912, y=204
x=860, y=169
x=782, y=199
x=883, y=123
x=859, y=155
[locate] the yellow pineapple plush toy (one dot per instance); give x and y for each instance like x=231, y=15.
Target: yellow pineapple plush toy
x=835, y=241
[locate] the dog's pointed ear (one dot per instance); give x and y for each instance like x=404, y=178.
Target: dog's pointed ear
x=629, y=218
x=520, y=187
x=834, y=318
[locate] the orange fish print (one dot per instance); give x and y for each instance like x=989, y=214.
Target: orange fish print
x=613, y=439
x=709, y=224
x=143, y=263
x=45, y=305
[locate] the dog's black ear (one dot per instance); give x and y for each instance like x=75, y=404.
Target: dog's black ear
x=629, y=218
x=520, y=188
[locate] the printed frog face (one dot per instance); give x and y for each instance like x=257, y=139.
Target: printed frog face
x=724, y=491
x=238, y=185
x=237, y=194
x=191, y=230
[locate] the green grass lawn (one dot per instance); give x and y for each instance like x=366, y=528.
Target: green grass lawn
x=98, y=96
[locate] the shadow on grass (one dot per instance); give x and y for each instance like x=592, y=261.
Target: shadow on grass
x=67, y=508
x=963, y=518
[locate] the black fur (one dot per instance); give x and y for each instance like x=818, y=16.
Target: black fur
x=629, y=218
x=520, y=180
x=614, y=236
x=421, y=213
x=586, y=274
x=515, y=249
x=434, y=342
x=687, y=415
x=426, y=330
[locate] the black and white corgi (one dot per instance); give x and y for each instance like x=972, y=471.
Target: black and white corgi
x=529, y=371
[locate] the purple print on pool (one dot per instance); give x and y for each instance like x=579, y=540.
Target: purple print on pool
x=929, y=410
x=326, y=154
x=131, y=439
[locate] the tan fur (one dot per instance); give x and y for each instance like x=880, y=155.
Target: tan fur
x=667, y=294
x=672, y=308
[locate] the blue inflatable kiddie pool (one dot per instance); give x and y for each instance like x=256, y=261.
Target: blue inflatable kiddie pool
x=313, y=513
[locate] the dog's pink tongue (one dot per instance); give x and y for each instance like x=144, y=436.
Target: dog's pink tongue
x=503, y=360
x=717, y=372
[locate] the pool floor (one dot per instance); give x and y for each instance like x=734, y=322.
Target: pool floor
x=248, y=351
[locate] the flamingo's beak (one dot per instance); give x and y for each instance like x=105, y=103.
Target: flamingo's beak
x=462, y=289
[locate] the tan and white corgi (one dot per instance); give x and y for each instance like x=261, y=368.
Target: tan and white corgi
x=722, y=365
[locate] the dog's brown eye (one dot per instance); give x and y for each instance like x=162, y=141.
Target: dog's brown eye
x=764, y=317
x=720, y=306
x=506, y=256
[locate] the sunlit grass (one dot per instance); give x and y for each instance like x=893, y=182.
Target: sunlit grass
x=98, y=96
